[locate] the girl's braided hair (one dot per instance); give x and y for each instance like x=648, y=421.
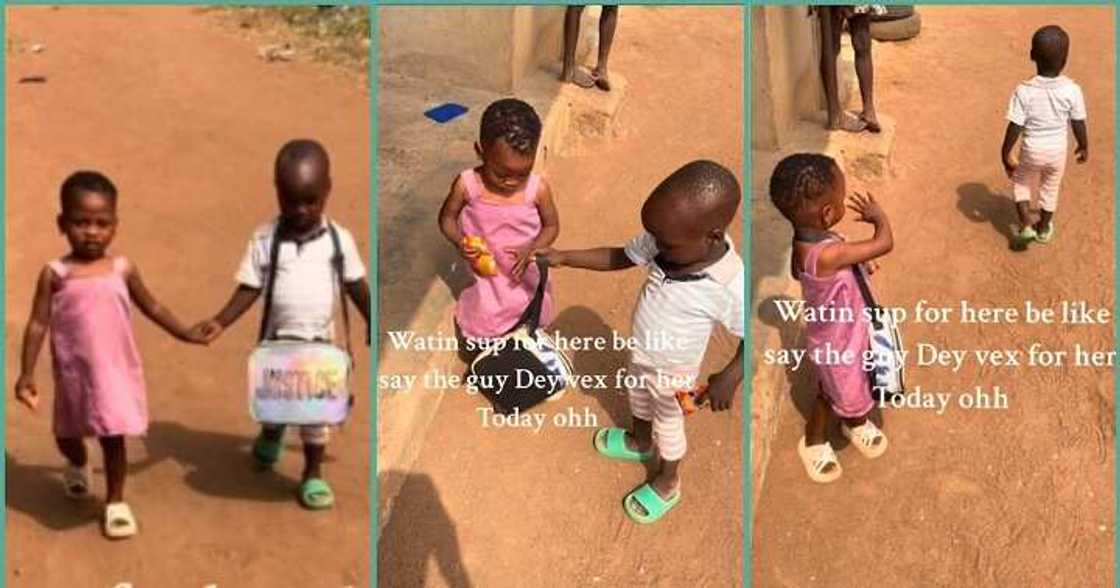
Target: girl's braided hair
x=800, y=178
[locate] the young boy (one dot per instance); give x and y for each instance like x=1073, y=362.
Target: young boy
x=1041, y=108
x=304, y=292
x=695, y=281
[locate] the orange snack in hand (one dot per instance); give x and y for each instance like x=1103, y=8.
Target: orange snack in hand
x=692, y=400
x=485, y=264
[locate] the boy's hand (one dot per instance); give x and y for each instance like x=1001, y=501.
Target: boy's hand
x=871, y=266
x=867, y=208
x=1009, y=166
x=204, y=332
x=553, y=257
x=721, y=390
x=26, y=392
x=1082, y=154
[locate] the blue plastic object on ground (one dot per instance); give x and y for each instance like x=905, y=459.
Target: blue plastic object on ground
x=446, y=112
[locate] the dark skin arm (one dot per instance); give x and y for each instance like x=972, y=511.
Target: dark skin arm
x=550, y=229
x=723, y=384
x=241, y=300
x=1082, y=136
x=449, y=219
x=840, y=255
x=601, y=259
x=1010, y=136
x=33, y=336
x=155, y=311
x=358, y=291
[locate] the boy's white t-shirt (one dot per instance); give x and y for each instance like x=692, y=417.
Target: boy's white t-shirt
x=683, y=311
x=306, y=288
x=1043, y=107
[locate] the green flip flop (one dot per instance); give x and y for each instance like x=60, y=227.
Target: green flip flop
x=1047, y=236
x=1025, y=236
x=316, y=494
x=611, y=443
x=266, y=451
x=651, y=502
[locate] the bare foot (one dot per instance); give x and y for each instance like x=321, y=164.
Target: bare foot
x=578, y=77
x=602, y=79
x=847, y=123
x=871, y=121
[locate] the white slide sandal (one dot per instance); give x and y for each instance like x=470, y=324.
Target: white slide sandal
x=75, y=481
x=816, y=458
x=867, y=438
x=119, y=522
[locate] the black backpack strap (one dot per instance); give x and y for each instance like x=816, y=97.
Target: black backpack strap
x=865, y=292
x=532, y=316
x=269, y=282
x=338, y=262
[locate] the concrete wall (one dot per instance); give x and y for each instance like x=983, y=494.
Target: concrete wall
x=483, y=47
x=785, y=78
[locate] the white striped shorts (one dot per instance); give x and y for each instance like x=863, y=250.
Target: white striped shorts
x=1041, y=171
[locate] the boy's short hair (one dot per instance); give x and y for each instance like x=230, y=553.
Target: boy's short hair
x=298, y=150
x=1050, y=47
x=514, y=121
x=800, y=178
x=83, y=181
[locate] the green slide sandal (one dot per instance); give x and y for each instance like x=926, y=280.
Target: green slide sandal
x=316, y=494
x=645, y=498
x=266, y=451
x=612, y=443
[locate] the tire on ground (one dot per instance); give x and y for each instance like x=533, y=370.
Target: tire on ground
x=897, y=30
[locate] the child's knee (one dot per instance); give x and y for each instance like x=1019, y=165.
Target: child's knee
x=314, y=435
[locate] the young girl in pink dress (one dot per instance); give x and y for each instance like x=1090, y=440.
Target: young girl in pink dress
x=512, y=210
x=809, y=191
x=84, y=299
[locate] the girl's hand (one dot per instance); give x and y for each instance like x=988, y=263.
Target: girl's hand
x=867, y=208
x=26, y=392
x=469, y=252
x=524, y=257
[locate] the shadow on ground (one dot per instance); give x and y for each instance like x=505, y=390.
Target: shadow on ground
x=581, y=321
x=419, y=529
x=979, y=204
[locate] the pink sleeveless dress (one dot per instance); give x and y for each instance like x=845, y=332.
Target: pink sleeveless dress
x=99, y=381
x=847, y=387
x=491, y=306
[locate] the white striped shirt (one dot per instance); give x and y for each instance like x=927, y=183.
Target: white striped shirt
x=673, y=319
x=1043, y=107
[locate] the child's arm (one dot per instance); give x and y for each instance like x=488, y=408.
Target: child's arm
x=358, y=291
x=550, y=229
x=33, y=336
x=1082, y=136
x=155, y=311
x=841, y=255
x=242, y=299
x=1010, y=136
x=601, y=259
x=449, y=219
x=722, y=385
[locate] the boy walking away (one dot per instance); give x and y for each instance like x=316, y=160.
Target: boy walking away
x=303, y=289
x=695, y=281
x=1041, y=109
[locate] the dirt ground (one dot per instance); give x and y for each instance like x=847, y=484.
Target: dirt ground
x=186, y=119
x=1019, y=497
x=504, y=507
